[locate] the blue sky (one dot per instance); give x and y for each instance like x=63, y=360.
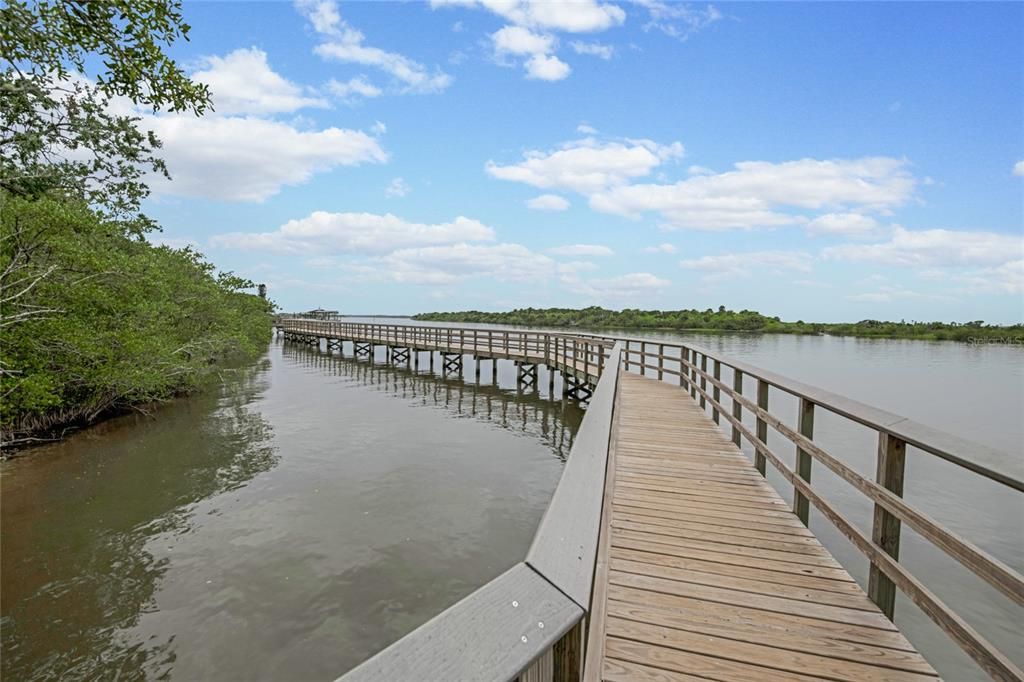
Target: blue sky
x=825, y=161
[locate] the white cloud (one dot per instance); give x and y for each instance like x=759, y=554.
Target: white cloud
x=364, y=233
x=1007, y=278
x=593, y=49
x=587, y=166
x=250, y=159
x=677, y=19
x=749, y=196
x=397, y=188
x=547, y=68
x=586, y=129
x=242, y=82
x=934, y=248
x=890, y=294
x=345, y=44
x=1018, y=168
x=730, y=265
x=446, y=264
x=844, y=224
x=521, y=41
x=378, y=128
x=579, y=16
x=581, y=250
x=548, y=202
x=661, y=248
x=632, y=286
x=353, y=87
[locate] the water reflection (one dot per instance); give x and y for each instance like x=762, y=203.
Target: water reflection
x=286, y=527
x=534, y=412
x=78, y=570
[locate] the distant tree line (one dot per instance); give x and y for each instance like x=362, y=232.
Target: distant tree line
x=723, y=320
x=94, y=318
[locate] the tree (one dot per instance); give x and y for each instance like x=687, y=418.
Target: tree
x=72, y=129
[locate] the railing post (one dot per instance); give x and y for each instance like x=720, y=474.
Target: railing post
x=703, y=379
x=684, y=354
x=716, y=392
x=661, y=361
x=626, y=354
x=805, y=425
x=643, y=358
x=762, y=425
x=568, y=654
x=885, y=530
x=737, y=409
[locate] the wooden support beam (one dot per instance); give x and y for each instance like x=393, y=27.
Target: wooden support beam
x=885, y=530
x=737, y=409
x=716, y=392
x=762, y=426
x=805, y=425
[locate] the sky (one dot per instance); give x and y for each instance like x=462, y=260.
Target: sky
x=823, y=162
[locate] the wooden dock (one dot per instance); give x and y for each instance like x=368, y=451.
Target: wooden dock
x=704, y=571
x=664, y=553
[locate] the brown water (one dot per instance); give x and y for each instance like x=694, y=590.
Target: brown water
x=313, y=511
x=318, y=508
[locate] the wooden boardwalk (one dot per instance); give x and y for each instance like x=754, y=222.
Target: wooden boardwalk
x=664, y=553
x=704, y=572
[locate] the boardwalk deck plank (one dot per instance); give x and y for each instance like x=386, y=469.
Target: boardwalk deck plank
x=709, y=573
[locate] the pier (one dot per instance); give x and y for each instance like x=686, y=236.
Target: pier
x=664, y=553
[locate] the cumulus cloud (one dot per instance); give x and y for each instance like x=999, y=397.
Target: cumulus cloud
x=580, y=16
x=661, y=248
x=529, y=34
x=889, y=294
x=548, y=202
x=353, y=87
x=446, y=264
x=521, y=41
x=581, y=250
x=593, y=49
x=843, y=225
x=934, y=248
x=242, y=82
x=730, y=265
x=1018, y=168
x=343, y=43
x=587, y=166
x=547, y=67
x=635, y=285
x=354, y=233
x=751, y=195
x=250, y=159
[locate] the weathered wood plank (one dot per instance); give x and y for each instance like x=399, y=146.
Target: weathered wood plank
x=565, y=547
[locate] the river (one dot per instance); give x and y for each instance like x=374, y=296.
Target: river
x=315, y=508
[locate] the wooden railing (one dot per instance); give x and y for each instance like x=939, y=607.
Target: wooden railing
x=528, y=623
x=582, y=354
x=700, y=372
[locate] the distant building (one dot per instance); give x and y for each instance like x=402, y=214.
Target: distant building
x=321, y=314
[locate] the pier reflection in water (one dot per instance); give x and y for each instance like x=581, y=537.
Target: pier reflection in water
x=537, y=411
x=287, y=526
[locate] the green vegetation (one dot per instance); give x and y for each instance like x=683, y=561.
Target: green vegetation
x=723, y=320
x=94, y=318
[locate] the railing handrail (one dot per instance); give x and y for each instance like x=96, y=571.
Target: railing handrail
x=954, y=449
x=528, y=613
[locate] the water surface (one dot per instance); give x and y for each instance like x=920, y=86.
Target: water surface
x=317, y=507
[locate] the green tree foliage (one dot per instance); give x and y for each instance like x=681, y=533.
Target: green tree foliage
x=75, y=75
x=129, y=323
x=94, y=318
x=724, y=320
